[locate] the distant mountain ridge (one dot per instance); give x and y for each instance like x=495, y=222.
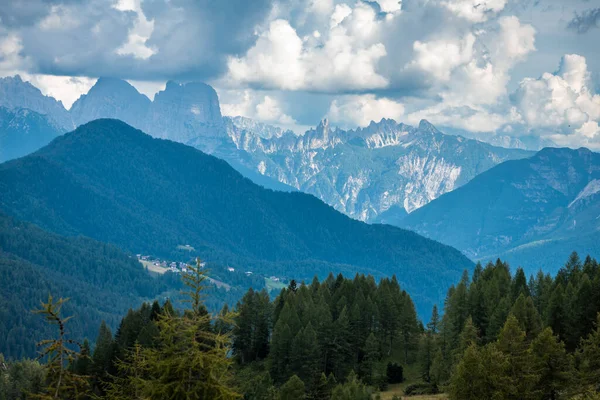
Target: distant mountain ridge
x=23, y=131
x=375, y=174
x=528, y=211
x=112, y=182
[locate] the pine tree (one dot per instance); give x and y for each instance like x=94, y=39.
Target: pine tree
x=371, y=358
x=190, y=361
x=425, y=355
x=321, y=389
x=527, y=315
x=480, y=374
x=83, y=363
x=131, y=381
x=552, y=364
x=511, y=342
x=293, y=389
x=589, y=358
x=62, y=382
x=468, y=337
x=342, y=353
x=434, y=322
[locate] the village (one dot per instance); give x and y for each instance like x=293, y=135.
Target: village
x=160, y=266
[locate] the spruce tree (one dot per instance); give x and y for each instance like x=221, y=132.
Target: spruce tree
x=552, y=364
x=589, y=358
x=293, y=389
x=520, y=373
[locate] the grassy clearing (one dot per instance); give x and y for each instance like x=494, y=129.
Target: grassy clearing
x=157, y=269
x=398, y=390
x=272, y=285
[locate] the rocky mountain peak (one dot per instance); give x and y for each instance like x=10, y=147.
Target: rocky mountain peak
x=111, y=98
x=427, y=126
x=16, y=93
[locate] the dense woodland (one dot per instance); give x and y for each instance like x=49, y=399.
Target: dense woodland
x=100, y=280
x=501, y=336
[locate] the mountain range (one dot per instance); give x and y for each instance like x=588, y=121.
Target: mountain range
x=111, y=182
x=530, y=212
x=23, y=131
x=375, y=174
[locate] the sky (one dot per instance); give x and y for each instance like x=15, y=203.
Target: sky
x=476, y=67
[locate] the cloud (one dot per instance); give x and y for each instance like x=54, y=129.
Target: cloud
x=474, y=10
x=269, y=110
x=582, y=23
x=353, y=110
x=343, y=57
x=66, y=88
x=440, y=57
x=138, y=34
x=133, y=39
x=560, y=99
x=561, y=102
x=259, y=106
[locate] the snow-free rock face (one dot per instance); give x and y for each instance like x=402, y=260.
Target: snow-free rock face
x=182, y=112
x=532, y=207
x=376, y=174
x=15, y=94
x=111, y=98
x=372, y=173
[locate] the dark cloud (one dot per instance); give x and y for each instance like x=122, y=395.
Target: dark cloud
x=585, y=21
x=192, y=38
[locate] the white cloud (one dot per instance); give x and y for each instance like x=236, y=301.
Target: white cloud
x=470, y=118
x=474, y=10
x=64, y=88
x=561, y=99
x=343, y=57
x=269, y=110
x=11, y=59
x=390, y=6
x=254, y=105
x=139, y=33
x=440, y=57
x=562, y=104
x=360, y=110
x=60, y=18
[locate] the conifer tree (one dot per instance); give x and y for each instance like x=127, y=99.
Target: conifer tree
x=552, y=364
x=480, y=374
x=371, y=358
x=527, y=315
x=293, y=389
x=589, y=358
x=190, y=360
x=63, y=383
x=130, y=382
x=520, y=373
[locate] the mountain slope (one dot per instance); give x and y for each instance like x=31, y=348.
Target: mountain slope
x=535, y=207
x=15, y=94
x=367, y=173
x=23, y=131
x=116, y=184
x=101, y=281
x=111, y=98
x=375, y=174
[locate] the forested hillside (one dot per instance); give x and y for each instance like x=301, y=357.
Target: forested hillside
x=529, y=211
x=501, y=336
x=111, y=182
x=101, y=281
